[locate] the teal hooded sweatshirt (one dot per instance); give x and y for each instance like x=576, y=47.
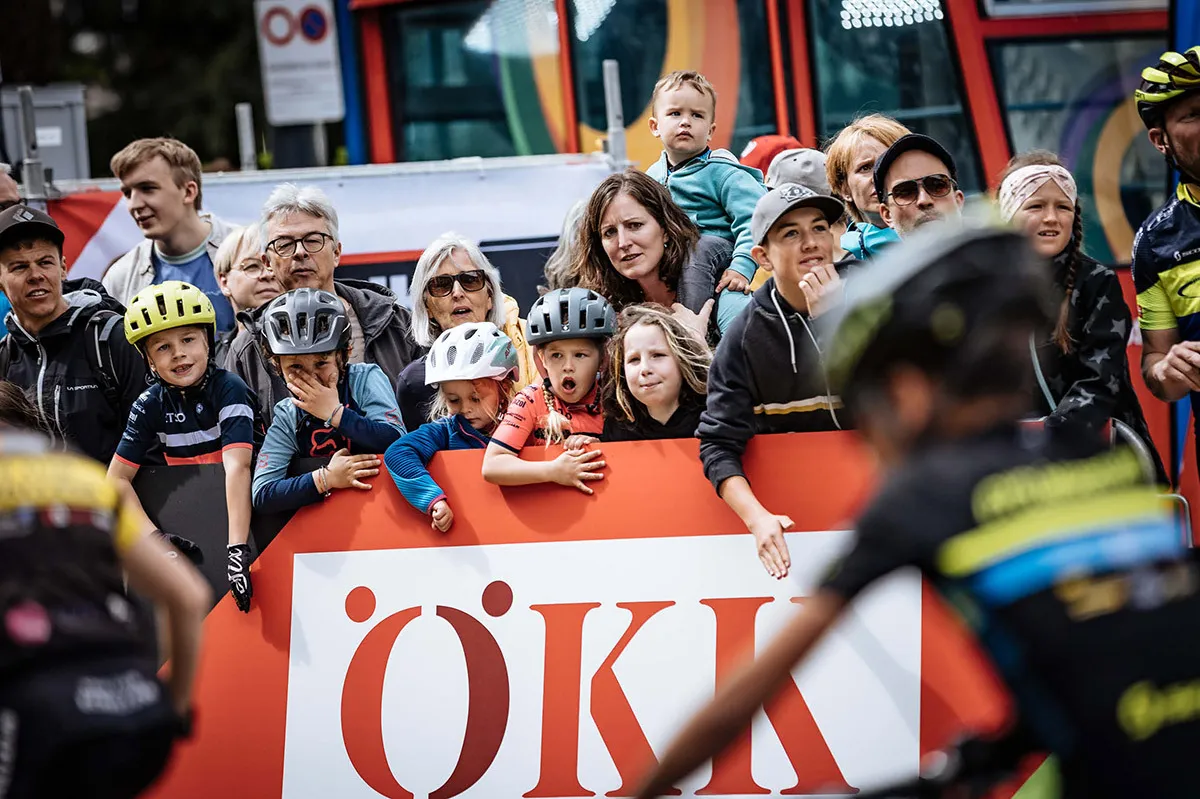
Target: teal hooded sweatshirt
x=719, y=194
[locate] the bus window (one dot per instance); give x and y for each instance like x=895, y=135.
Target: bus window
x=1075, y=97
x=725, y=40
x=473, y=77
x=895, y=62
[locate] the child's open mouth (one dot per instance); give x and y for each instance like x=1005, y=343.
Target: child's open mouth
x=568, y=384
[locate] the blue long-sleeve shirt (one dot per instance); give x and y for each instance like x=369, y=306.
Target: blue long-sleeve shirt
x=370, y=423
x=407, y=458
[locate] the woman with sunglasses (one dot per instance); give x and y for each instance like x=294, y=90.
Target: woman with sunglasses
x=457, y=284
x=1083, y=367
x=636, y=245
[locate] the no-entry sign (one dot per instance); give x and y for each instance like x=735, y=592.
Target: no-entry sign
x=298, y=53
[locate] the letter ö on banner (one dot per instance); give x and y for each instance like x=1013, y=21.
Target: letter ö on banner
x=362, y=692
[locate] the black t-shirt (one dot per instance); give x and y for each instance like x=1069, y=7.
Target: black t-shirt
x=682, y=424
x=1075, y=580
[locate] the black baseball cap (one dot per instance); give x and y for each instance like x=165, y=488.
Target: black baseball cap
x=908, y=143
x=23, y=221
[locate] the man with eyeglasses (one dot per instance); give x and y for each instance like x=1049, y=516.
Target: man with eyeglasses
x=917, y=183
x=300, y=229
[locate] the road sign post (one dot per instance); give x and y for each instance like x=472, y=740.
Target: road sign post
x=298, y=54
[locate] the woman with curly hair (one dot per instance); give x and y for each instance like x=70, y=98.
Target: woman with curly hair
x=636, y=245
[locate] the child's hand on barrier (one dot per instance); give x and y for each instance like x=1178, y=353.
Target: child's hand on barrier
x=441, y=517
x=574, y=467
x=578, y=441
x=349, y=471
x=772, y=548
x=734, y=281
x=313, y=397
x=822, y=288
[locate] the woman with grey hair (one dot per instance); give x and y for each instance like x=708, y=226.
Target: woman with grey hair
x=454, y=283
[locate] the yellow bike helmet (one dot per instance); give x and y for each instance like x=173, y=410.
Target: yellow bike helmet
x=166, y=306
x=1175, y=75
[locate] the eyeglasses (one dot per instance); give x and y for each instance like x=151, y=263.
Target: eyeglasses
x=442, y=285
x=6, y=204
x=285, y=247
x=254, y=269
x=906, y=192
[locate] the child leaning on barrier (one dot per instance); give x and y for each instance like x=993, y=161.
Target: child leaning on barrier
x=712, y=187
x=473, y=367
x=198, y=412
x=567, y=329
x=337, y=408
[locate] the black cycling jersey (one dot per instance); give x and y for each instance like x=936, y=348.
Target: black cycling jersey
x=1076, y=580
x=62, y=593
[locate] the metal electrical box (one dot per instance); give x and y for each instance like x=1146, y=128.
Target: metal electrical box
x=61, y=129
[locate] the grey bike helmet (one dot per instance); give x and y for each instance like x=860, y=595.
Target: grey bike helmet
x=570, y=313
x=305, y=322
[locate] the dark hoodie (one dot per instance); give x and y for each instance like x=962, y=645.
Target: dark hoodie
x=1090, y=384
x=57, y=373
x=767, y=376
x=386, y=329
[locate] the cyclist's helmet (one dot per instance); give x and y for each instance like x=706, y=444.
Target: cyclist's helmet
x=470, y=352
x=1175, y=75
x=166, y=306
x=570, y=313
x=957, y=303
x=305, y=322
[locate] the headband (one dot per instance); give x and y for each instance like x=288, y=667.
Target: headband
x=1026, y=181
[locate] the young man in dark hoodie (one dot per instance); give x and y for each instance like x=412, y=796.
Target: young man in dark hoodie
x=300, y=234
x=66, y=348
x=767, y=375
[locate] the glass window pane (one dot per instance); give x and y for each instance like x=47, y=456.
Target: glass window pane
x=893, y=59
x=1075, y=98
x=1000, y=8
x=636, y=33
x=474, y=78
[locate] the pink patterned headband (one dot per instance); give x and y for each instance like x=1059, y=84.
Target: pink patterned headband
x=1026, y=181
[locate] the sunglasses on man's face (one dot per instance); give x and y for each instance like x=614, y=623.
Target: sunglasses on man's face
x=442, y=285
x=906, y=192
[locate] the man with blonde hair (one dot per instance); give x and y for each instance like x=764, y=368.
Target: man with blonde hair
x=160, y=179
x=850, y=167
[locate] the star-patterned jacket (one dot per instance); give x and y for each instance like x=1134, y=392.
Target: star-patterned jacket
x=1091, y=383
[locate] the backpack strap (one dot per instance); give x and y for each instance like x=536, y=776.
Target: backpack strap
x=99, y=356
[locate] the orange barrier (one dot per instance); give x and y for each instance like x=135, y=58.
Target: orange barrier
x=551, y=641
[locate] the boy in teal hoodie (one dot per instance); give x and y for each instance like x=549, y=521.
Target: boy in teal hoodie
x=716, y=191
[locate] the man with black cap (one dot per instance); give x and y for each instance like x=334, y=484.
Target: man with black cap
x=66, y=345
x=917, y=182
x=768, y=375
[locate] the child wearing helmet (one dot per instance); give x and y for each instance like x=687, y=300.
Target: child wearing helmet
x=199, y=412
x=338, y=410
x=568, y=329
x=472, y=367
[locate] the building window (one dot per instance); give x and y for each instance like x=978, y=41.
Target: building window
x=474, y=78
x=870, y=57
x=1075, y=98
x=1013, y=8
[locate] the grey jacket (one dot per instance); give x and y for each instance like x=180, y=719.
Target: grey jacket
x=134, y=270
x=386, y=328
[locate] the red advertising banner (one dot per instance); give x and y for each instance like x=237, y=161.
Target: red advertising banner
x=551, y=642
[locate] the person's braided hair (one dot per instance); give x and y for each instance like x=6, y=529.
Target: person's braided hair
x=1072, y=253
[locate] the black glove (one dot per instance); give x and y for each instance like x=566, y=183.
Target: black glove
x=237, y=568
x=190, y=549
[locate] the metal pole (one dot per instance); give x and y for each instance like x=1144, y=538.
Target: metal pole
x=245, y=128
x=320, y=145
x=33, y=175
x=616, y=116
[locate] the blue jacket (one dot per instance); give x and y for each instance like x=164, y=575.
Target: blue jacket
x=865, y=241
x=719, y=194
x=407, y=458
x=370, y=421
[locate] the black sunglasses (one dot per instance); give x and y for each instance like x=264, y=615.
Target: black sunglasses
x=906, y=192
x=442, y=285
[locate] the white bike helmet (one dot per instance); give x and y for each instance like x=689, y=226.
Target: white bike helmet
x=469, y=352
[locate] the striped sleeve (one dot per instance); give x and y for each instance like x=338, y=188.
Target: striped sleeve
x=235, y=414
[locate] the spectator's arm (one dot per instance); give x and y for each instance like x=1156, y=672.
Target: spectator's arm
x=727, y=423
x=273, y=491
x=738, y=194
x=1170, y=366
x=407, y=461
x=237, y=492
x=379, y=423
x=122, y=473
